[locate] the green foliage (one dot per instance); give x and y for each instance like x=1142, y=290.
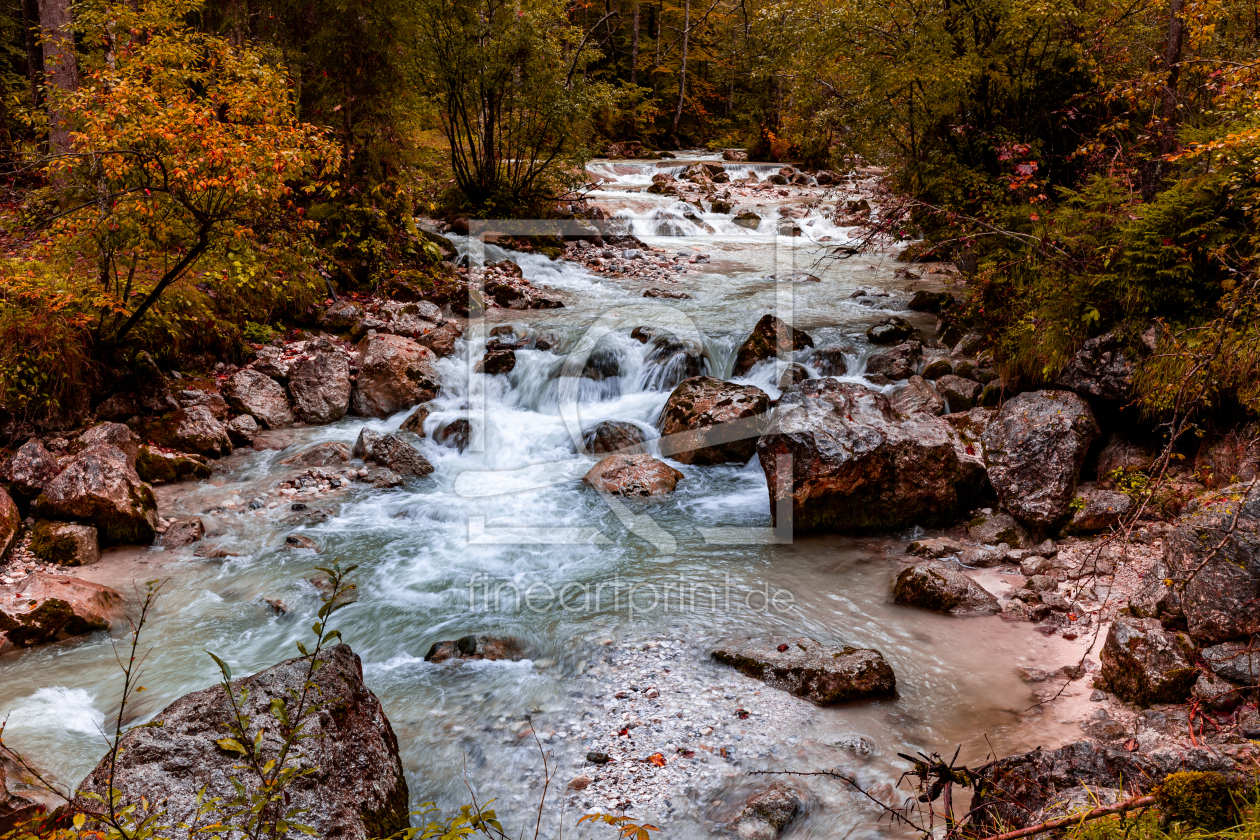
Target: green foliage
x=1199, y=799
x=256, y=333
x=506, y=81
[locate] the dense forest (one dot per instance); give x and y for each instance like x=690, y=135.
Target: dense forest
x=183, y=177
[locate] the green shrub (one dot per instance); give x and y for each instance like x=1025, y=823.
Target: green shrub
x=256, y=333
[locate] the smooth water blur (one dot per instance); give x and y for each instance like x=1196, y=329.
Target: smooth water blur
x=504, y=539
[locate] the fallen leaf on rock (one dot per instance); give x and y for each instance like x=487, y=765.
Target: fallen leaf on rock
x=657, y=759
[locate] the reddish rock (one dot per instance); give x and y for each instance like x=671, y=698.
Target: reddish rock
x=769, y=338
x=261, y=397
x=394, y=373
x=857, y=466
x=633, y=475
x=708, y=421
x=49, y=608
x=30, y=468
x=99, y=487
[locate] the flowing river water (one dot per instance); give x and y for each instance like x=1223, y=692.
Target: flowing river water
x=510, y=515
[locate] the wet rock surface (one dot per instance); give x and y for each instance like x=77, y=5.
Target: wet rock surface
x=1142, y=663
x=1215, y=550
x=1034, y=450
x=613, y=436
x=47, y=608
x=937, y=587
x=477, y=646
x=857, y=466
x=708, y=421
x=770, y=338
x=319, y=382
x=394, y=373
x=259, y=396
x=823, y=674
x=99, y=487
x=636, y=476
x=392, y=452
x=65, y=543
x=357, y=792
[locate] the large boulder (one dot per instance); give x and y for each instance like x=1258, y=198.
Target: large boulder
x=858, y=466
x=99, y=487
x=260, y=396
x=896, y=362
x=392, y=452
x=319, y=382
x=442, y=339
x=1229, y=458
x=1142, y=663
x=193, y=429
x=1034, y=449
x=633, y=475
x=65, y=543
x=1100, y=369
x=768, y=338
x=394, y=373
x=708, y=421
x=1213, y=553
x=823, y=674
x=49, y=608
x=354, y=788
x=29, y=469
x=937, y=587
x=10, y=522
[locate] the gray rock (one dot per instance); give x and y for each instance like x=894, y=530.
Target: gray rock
x=823, y=674
x=934, y=548
x=995, y=528
x=341, y=316
x=1100, y=369
x=768, y=812
x=111, y=434
x=1214, y=553
x=611, y=436
x=479, y=646
x=1238, y=661
x=65, y=543
x=357, y=789
x=858, y=466
x=392, y=452
x=1143, y=664
x=270, y=361
x=1095, y=510
x=832, y=361
x=1217, y=694
x=896, y=363
x=1083, y=799
x=261, y=397
x=30, y=469
x=242, y=430
x=891, y=330
x=327, y=454
x=319, y=382
x=1034, y=450
x=100, y=487
x=183, y=532
x=770, y=338
x=1019, y=786
x=193, y=429
x=1119, y=454
x=918, y=397
x=708, y=421
x=960, y=393
x=394, y=373
x=935, y=586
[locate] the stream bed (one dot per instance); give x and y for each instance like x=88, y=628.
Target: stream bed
x=504, y=538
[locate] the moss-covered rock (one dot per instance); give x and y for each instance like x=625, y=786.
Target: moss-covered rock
x=157, y=467
x=49, y=608
x=65, y=543
x=1203, y=800
x=1142, y=663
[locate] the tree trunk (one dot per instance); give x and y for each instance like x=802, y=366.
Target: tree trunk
x=61, y=67
x=34, y=58
x=1166, y=138
x=682, y=73
x=634, y=47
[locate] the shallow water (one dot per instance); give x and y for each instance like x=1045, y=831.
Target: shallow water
x=504, y=539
